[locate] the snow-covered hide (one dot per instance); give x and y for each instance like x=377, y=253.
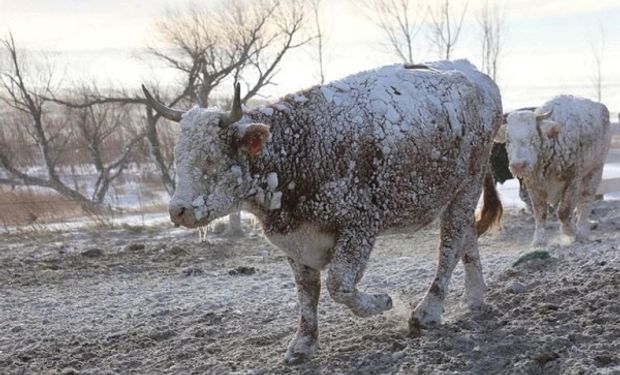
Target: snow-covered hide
x=328, y=169
x=560, y=159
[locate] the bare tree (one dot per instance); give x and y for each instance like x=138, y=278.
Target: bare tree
x=399, y=20
x=160, y=143
x=56, y=134
x=25, y=97
x=233, y=40
x=445, y=27
x=103, y=130
x=492, y=26
x=320, y=38
x=598, y=50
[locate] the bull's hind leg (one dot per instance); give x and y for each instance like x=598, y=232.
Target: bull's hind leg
x=351, y=254
x=305, y=342
x=475, y=287
x=457, y=233
x=567, y=208
x=589, y=185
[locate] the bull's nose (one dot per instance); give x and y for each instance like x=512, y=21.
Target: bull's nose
x=518, y=167
x=176, y=212
x=181, y=215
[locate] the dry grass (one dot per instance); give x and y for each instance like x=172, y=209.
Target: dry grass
x=29, y=208
x=26, y=207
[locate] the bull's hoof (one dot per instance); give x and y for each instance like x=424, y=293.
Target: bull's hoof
x=476, y=305
x=417, y=325
x=566, y=240
x=292, y=359
x=426, y=315
x=300, y=350
x=372, y=304
x=582, y=239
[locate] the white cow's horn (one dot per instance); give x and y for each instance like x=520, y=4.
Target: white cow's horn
x=169, y=113
x=235, y=113
x=544, y=116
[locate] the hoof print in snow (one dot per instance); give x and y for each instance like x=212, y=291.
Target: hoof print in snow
x=242, y=270
x=415, y=328
x=178, y=251
x=135, y=247
x=69, y=371
x=92, y=253
x=515, y=287
x=545, y=357
x=192, y=271
x=605, y=360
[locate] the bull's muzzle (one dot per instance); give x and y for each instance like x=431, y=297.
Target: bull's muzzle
x=182, y=215
x=519, y=169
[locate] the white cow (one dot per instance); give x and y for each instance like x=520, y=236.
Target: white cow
x=328, y=169
x=559, y=150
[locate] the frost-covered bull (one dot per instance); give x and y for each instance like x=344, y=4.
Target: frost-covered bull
x=328, y=169
x=559, y=150
x=499, y=164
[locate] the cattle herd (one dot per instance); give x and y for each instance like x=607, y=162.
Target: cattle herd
x=328, y=169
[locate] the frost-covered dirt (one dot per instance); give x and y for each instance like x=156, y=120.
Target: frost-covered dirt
x=155, y=300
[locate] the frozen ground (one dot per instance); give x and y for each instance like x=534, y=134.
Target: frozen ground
x=154, y=300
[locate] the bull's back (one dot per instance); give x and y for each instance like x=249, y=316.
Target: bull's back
x=411, y=138
x=584, y=133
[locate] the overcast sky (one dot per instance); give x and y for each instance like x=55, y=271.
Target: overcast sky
x=547, y=51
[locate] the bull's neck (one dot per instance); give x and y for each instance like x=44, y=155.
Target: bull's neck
x=269, y=171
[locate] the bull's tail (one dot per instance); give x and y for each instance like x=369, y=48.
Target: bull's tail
x=492, y=210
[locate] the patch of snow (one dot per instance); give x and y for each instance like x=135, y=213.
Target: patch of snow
x=266, y=110
x=272, y=181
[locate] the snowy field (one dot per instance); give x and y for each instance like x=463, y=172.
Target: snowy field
x=147, y=300
x=140, y=296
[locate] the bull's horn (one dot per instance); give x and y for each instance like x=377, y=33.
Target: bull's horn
x=544, y=116
x=235, y=113
x=169, y=113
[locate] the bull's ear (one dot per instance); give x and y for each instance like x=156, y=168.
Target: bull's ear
x=500, y=136
x=551, y=129
x=254, y=138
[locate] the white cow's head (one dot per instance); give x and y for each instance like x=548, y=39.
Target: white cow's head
x=524, y=134
x=211, y=161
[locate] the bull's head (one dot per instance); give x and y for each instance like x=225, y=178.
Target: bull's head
x=211, y=159
x=524, y=133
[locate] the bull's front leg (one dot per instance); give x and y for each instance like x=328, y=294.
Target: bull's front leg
x=539, y=210
x=306, y=340
x=589, y=186
x=566, y=211
x=351, y=254
x=456, y=232
x=475, y=288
